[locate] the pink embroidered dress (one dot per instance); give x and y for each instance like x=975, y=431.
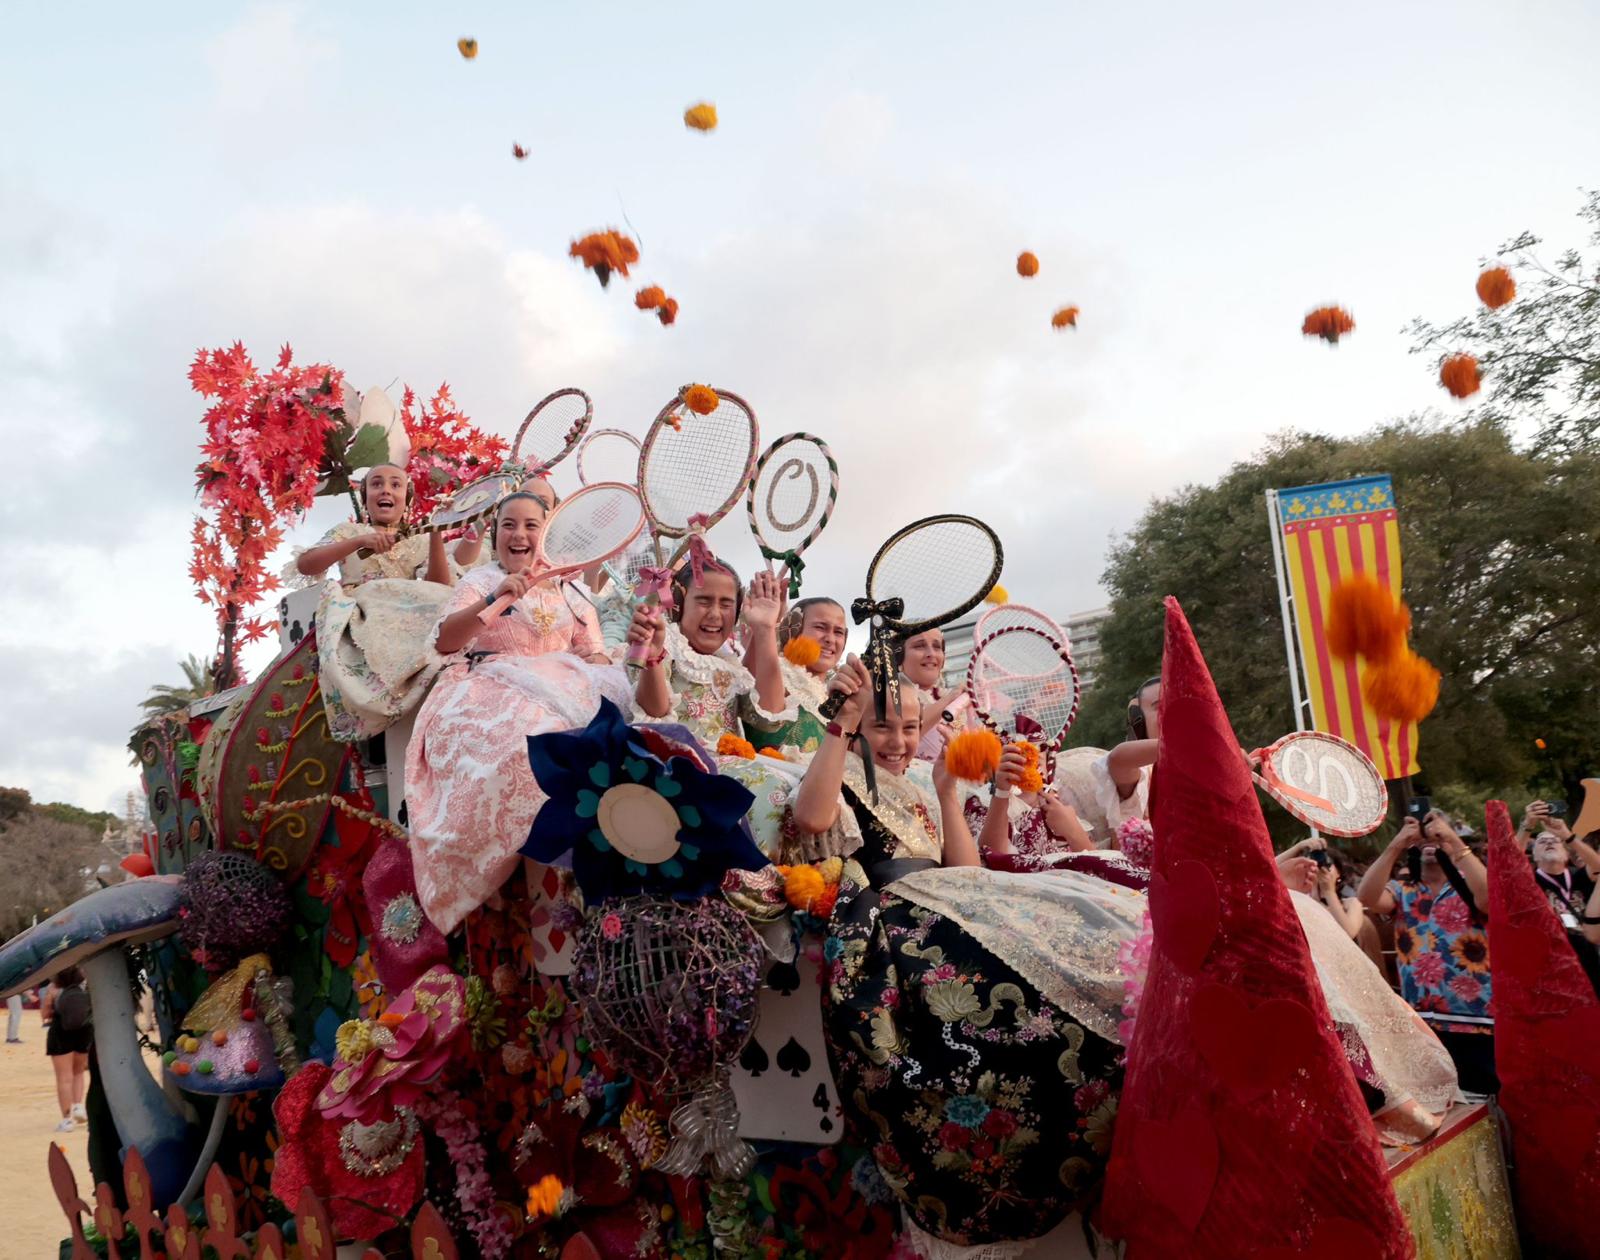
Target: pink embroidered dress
x=470, y=792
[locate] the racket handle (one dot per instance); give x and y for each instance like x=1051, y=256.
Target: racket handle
x=638, y=654
x=501, y=605
x=830, y=707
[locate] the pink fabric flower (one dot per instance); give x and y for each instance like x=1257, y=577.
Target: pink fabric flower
x=1466, y=987
x=1428, y=968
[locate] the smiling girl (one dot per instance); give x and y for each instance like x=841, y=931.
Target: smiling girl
x=372, y=624
x=818, y=621
x=470, y=791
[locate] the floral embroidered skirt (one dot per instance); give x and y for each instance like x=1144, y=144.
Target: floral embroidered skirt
x=988, y=1110
x=375, y=647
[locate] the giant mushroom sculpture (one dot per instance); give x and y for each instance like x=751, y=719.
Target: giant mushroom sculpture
x=91, y=933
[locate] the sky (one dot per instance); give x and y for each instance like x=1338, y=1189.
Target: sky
x=1194, y=178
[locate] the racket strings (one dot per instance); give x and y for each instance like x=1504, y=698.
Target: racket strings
x=593, y=524
x=609, y=455
x=700, y=468
x=938, y=569
x=549, y=431
x=792, y=493
x=1022, y=684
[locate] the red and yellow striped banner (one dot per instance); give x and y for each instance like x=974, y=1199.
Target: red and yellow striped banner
x=1329, y=532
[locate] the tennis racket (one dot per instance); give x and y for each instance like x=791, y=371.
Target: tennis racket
x=608, y=455
x=552, y=430
x=1000, y=616
x=1024, y=685
x=471, y=503
x=692, y=470
x=927, y=574
x=590, y=527
x=791, y=499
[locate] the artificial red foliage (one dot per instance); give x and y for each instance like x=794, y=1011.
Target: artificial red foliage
x=263, y=448
x=1547, y=1022
x=1235, y=1078
x=447, y=449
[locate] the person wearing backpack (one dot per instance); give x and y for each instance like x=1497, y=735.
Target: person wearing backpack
x=71, y=1022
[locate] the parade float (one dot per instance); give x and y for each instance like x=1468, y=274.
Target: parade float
x=621, y=1053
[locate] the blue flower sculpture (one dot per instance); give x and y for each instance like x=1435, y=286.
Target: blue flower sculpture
x=631, y=821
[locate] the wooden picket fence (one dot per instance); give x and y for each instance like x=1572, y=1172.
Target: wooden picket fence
x=175, y=1237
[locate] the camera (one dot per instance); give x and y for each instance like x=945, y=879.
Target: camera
x=1420, y=807
x=1321, y=858
x=1558, y=809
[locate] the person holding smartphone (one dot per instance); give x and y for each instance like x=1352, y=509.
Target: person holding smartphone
x=1440, y=904
x=1565, y=869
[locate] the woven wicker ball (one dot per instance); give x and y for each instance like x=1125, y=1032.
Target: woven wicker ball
x=231, y=907
x=668, y=989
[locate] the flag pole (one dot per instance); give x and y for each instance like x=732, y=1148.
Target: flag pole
x=1285, y=602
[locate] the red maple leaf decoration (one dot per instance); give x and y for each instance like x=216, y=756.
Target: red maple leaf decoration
x=447, y=449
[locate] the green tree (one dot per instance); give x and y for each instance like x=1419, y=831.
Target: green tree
x=1501, y=560
x=198, y=683
x=1540, y=354
x=96, y=820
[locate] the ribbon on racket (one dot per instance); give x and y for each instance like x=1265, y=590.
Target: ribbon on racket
x=1268, y=774
x=697, y=547
x=791, y=561
x=864, y=609
x=654, y=581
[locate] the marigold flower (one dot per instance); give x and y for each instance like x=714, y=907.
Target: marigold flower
x=775, y=753
x=1459, y=375
x=1066, y=317
x=667, y=312
x=700, y=399
x=605, y=252
x=998, y=595
x=701, y=117
x=468, y=48
x=802, y=650
x=733, y=746
x=1496, y=288
x=544, y=1196
x=1403, y=689
x=973, y=756
x=1328, y=322
x=1027, y=264
x=649, y=297
x=803, y=886
x=1539, y=744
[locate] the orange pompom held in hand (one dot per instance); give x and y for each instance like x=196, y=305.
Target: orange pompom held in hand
x=700, y=399
x=1328, y=322
x=803, y=651
x=973, y=756
x=1403, y=689
x=1032, y=780
x=1496, y=288
x=1459, y=374
x=733, y=746
x=1066, y=317
x=1365, y=619
x=803, y=886
x=1027, y=264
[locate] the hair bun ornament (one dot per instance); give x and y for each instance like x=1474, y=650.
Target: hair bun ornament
x=973, y=756
x=1365, y=619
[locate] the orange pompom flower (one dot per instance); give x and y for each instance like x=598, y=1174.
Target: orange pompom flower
x=775, y=753
x=1496, y=288
x=605, y=252
x=1032, y=780
x=803, y=886
x=1027, y=264
x=1459, y=374
x=1328, y=322
x=997, y=595
x=1403, y=689
x=1539, y=744
x=649, y=297
x=701, y=117
x=700, y=399
x=1066, y=317
x=667, y=312
x=467, y=47
x=802, y=650
x=973, y=756
x=733, y=746
x=1365, y=619
x=544, y=1197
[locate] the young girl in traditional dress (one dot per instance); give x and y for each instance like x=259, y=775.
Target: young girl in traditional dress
x=921, y=660
x=470, y=792
x=691, y=673
x=813, y=632
x=374, y=664
x=972, y=1014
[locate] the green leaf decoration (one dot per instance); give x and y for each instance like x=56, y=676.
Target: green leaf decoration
x=689, y=816
x=636, y=769
x=588, y=803
x=668, y=787
x=600, y=774
x=370, y=446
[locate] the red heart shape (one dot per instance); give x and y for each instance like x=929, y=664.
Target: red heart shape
x=1336, y=1238
x=1522, y=950
x=1185, y=911
x=1252, y=1050
x=1178, y=1161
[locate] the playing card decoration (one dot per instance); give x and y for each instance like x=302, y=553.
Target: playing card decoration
x=631, y=815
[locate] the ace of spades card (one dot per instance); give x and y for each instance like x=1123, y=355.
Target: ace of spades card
x=783, y=1083
x=552, y=947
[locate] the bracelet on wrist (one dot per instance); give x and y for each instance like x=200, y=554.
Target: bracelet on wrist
x=650, y=662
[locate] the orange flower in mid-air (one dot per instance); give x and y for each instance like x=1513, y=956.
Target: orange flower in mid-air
x=667, y=312
x=701, y=117
x=605, y=252
x=700, y=399
x=1496, y=288
x=1066, y=317
x=649, y=297
x=518, y=152
x=1328, y=322
x=1459, y=374
x=467, y=47
x=1027, y=264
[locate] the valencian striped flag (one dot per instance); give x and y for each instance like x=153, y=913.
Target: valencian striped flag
x=1329, y=532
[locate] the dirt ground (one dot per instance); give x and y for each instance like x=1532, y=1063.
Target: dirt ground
x=33, y=1222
